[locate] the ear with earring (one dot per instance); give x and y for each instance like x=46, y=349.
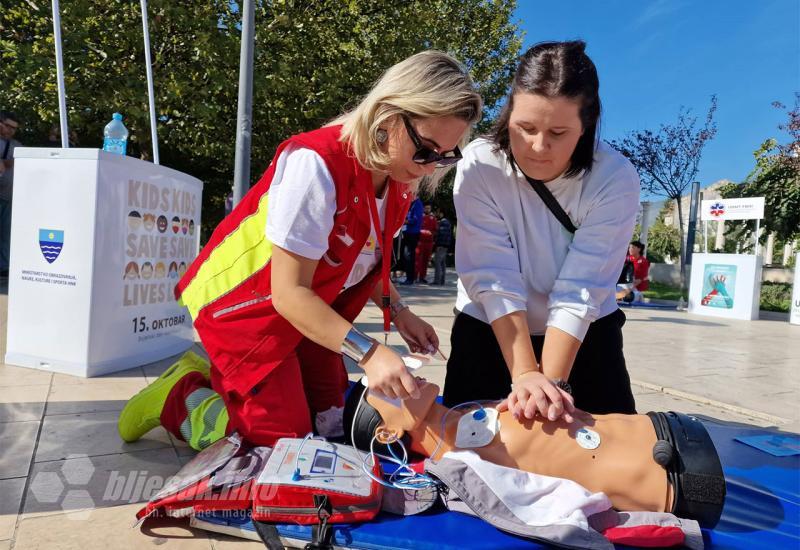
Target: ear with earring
x=381, y=136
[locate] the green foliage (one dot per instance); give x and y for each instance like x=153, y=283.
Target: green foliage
x=663, y=240
x=661, y=291
x=776, y=296
x=312, y=61
x=776, y=177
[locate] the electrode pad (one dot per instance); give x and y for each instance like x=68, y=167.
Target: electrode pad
x=477, y=428
x=588, y=439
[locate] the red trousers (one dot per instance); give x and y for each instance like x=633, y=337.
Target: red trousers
x=312, y=379
x=424, y=251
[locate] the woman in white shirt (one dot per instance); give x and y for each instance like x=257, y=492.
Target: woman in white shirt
x=538, y=322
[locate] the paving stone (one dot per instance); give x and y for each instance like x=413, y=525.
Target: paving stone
x=90, y=434
x=95, y=396
x=22, y=403
x=20, y=376
x=12, y=490
x=98, y=481
x=104, y=528
x=17, y=441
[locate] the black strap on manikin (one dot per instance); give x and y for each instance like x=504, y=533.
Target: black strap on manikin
x=552, y=204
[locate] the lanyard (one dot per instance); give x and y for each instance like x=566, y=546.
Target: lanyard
x=386, y=254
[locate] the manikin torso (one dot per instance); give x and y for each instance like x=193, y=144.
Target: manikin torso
x=621, y=466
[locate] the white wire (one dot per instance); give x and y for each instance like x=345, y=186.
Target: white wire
x=429, y=482
x=309, y=435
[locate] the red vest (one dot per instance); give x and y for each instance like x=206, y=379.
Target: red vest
x=228, y=287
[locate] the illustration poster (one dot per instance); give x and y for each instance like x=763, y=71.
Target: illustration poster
x=719, y=284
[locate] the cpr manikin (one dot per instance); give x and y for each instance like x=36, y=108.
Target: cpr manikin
x=662, y=462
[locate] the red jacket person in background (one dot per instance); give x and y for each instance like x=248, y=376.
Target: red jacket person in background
x=425, y=246
x=275, y=291
x=641, y=266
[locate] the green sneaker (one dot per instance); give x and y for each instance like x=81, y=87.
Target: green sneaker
x=142, y=412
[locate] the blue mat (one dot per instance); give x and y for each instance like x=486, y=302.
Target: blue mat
x=762, y=510
x=646, y=305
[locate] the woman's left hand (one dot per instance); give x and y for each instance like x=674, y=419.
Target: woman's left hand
x=419, y=335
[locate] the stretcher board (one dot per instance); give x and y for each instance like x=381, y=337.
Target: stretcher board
x=762, y=510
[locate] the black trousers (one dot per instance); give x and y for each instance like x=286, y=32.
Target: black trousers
x=410, y=241
x=600, y=383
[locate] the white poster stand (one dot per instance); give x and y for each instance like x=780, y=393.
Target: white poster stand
x=727, y=285
x=794, y=308
x=98, y=243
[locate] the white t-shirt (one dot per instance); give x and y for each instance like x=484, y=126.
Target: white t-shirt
x=512, y=254
x=301, y=208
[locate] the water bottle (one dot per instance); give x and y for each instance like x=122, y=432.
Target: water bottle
x=115, y=136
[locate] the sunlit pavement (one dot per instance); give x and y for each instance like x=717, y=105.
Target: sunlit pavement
x=62, y=464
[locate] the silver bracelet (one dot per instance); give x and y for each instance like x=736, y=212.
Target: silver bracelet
x=357, y=345
x=396, y=308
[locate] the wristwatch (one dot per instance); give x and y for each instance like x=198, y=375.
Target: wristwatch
x=358, y=346
x=563, y=384
x=396, y=308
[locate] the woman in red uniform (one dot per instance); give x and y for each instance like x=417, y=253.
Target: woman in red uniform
x=274, y=292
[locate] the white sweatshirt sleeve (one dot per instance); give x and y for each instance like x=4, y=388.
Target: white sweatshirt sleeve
x=595, y=257
x=302, y=203
x=486, y=260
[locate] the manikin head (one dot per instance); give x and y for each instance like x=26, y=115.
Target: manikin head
x=367, y=415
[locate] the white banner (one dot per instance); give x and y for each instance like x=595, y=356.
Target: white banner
x=751, y=208
x=794, y=308
x=99, y=241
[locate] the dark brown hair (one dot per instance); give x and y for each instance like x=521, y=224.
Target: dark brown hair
x=557, y=69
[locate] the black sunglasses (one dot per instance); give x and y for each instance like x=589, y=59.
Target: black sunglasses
x=426, y=155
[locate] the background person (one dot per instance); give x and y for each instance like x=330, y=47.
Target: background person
x=425, y=246
x=538, y=317
x=9, y=124
x=443, y=241
x=641, y=269
x=411, y=233
x=275, y=291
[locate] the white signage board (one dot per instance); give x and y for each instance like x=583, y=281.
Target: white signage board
x=98, y=243
x=794, y=308
x=751, y=208
x=725, y=285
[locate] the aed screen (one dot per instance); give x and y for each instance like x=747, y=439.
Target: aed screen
x=323, y=462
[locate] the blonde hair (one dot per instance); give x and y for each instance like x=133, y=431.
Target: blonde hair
x=426, y=85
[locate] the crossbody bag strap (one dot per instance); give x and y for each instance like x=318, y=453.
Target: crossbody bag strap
x=552, y=204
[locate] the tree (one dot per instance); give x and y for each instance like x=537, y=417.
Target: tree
x=663, y=240
x=312, y=60
x=668, y=160
x=776, y=177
